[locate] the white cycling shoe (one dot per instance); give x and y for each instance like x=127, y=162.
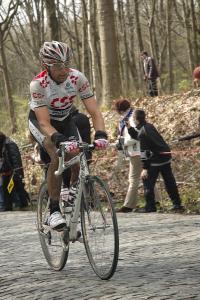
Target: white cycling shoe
x=56, y=221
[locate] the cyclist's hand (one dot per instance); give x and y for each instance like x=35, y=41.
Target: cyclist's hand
x=101, y=144
x=100, y=140
x=58, y=138
x=71, y=146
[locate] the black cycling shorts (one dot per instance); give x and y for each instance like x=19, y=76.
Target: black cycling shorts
x=67, y=127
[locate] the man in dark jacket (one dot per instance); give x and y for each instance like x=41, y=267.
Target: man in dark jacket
x=150, y=73
x=11, y=167
x=156, y=158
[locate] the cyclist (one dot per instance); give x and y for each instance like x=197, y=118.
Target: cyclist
x=53, y=92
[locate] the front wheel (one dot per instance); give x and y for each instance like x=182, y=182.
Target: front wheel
x=52, y=241
x=99, y=228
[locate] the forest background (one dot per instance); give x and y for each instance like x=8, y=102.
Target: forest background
x=107, y=37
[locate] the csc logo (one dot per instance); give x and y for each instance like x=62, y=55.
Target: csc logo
x=61, y=103
x=37, y=95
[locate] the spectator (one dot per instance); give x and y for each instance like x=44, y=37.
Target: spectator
x=196, y=77
x=156, y=158
x=150, y=73
x=1, y=194
x=131, y=150
x=11, y=166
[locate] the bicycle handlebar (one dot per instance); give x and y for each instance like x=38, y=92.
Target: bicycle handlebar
x=83, y=147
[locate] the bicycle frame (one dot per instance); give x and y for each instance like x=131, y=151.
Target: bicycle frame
x=83, y=173
x=93, y=206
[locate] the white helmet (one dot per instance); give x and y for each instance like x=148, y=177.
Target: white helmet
x=54, y=52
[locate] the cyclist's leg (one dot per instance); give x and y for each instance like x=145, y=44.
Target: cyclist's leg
x=83, y=124
x=71, y=132
x=45, y=142
x=53, y=182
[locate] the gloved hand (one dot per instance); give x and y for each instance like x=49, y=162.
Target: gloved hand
x=70, y=146
x=58, y=138
x=100, y=140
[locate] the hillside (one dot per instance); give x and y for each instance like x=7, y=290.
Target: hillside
x=174, y=116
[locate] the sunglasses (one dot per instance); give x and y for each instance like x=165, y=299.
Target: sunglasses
x=60, y=66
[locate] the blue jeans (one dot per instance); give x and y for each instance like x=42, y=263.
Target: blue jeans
x=170, y=185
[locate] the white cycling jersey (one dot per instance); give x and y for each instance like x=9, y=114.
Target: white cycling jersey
x=58, y=97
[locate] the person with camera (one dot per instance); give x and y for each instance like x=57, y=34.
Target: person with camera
x=131, y=150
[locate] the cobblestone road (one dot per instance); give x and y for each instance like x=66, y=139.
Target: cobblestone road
x=159, y=259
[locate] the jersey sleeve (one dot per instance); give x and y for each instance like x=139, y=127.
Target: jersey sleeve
x=84, y=89
x=38, y=97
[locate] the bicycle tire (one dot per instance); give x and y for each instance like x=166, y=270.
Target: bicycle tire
x=98, y=220
x=48, y=240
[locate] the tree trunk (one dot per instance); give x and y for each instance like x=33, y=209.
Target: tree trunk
x=194, y=30
x=169, y=46
x=151, y=28
x=132, y=66
x=76, y=35
x=85, y=63
x=186, y=12
x=109, y=55
x=119, y=34
x=138, y=26
x=140, y=43
x=52, y=20
x=8, y=93
x=92, y=40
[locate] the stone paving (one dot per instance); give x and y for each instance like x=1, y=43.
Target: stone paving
x=159, y=259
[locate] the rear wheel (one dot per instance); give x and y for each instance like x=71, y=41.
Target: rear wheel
x=54, y=243
x=99, y=228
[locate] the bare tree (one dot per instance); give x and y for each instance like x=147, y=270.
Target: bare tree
x=169, y=44
x=140, y=40
x=109, y=53
x=194, y=31
x=93, y=42
x=76, y=34
x=186, y=14
x=52, y=19
x=138, y=26
x=5, y=24
x=132, y=45
x=85, y=39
